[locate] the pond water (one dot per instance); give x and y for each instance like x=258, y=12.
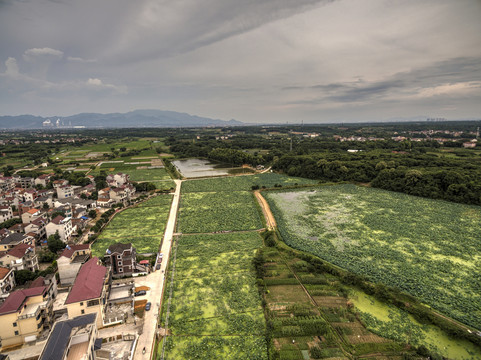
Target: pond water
x=402, y=326
x=192, y=168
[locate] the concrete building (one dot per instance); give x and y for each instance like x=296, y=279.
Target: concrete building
x=38, y=227
x=121, y=258
x=6, y=213
x=7, y=280
x=30, y=215
x=70, y=262
x=73, y=339
x=64, y=192
x=21, y=257
x=90, y=291
x=24, y=315
x=12, y=240
x=62, y=225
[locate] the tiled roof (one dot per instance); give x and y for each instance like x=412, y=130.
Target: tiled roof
x=17, y=298
x=70, y=249
x=4, y=272
x=58, y=219
x=13, y=238
x=32, y=211
x=19, y=250
x=89, y=282
x=119, y=247
x=40, y=281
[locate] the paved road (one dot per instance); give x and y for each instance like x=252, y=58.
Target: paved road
x=155, y=281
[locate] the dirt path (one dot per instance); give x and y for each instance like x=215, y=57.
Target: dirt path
x=266, y=210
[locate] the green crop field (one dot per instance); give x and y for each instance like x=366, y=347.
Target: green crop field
x=215, y=310
x=218, y=211
x=428, y=248
x=245, y=182
x=143, y=226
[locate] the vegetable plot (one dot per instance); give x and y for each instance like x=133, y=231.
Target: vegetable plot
x=428, y=248
x=203, y=212
x=142, y=225
x=215, y=310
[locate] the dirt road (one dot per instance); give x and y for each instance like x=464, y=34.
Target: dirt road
x=266, y=210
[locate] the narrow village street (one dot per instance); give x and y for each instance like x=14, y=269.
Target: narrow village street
x=155, y=281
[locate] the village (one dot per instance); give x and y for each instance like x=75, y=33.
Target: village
x=55, y=297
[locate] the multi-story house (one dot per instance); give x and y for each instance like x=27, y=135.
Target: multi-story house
x=70, y=262
x=90, y=291
x=38, y=227
x=121, y=258
x=117, y=180
x=25, y=182
x=6, y=183
x=73, y=339
x=30, y=215
x=58, y=183
x=12, y=240
x=118, y=194
x=24, y=315
x=7, y=280
x=21, y=257
x=43, y=179
x=62, y=225
x=64, y=192
x=6, y=213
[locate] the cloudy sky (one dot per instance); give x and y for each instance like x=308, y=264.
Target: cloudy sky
x=251, y=60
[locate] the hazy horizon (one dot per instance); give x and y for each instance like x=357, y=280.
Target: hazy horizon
x=257, y=62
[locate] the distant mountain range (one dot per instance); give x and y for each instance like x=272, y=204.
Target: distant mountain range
x=133, y=119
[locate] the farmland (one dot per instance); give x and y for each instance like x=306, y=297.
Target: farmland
x=428, y=248
x=243, y=183
x=215, y=309
x=225, y=203
x=310, y=306
x=218, y=211
x=142, y=225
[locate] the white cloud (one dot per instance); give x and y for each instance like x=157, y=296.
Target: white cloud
x=97, y=84
x=80, y=60
x=42, y=53
x=12, y=67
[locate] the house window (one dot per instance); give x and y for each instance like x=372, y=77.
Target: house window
x=82, y=311
x=120, y=263
x=119, y=257
x=81, y=304
x=16, y=333
x=120, y=269
x=14, y=324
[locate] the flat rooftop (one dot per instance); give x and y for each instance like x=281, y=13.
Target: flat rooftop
x=78, y=351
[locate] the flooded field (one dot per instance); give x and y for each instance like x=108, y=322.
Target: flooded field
x=194, y=168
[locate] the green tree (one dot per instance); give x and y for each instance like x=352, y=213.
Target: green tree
x=22, y=276
x=54, y=243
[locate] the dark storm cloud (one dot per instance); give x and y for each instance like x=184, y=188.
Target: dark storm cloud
x=253, y=60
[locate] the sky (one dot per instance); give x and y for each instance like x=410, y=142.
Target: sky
x=256, y=61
